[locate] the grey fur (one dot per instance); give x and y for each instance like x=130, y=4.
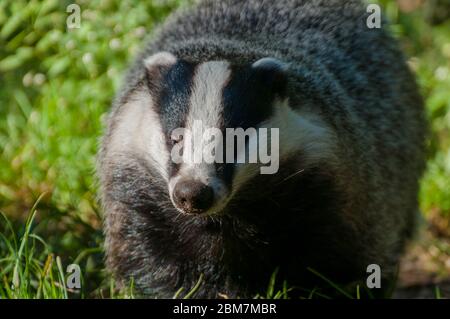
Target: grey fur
x=354, y=78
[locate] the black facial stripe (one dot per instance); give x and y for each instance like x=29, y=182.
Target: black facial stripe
x=173, y=101
x=175, y=95
x=247, y=101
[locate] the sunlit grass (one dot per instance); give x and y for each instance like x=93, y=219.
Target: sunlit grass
x=28, y=269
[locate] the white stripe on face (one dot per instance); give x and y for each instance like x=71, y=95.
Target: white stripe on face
x=138, y=130
x=137, y=126
x=299, y=132
x=205, y=106
x=207, y=89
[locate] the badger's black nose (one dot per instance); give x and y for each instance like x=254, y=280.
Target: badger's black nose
x=193, y=196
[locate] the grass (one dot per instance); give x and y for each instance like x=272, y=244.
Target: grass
x=30, y=270
x=57, y=84
x=24, y=274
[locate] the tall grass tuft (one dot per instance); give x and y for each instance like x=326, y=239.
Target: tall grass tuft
x=28, y=268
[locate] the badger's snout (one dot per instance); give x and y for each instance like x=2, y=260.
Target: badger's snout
x=193, y=197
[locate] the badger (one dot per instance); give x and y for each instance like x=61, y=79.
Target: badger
x=350, y=152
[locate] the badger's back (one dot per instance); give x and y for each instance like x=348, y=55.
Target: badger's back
x=352, y=77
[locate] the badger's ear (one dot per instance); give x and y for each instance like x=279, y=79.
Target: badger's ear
x=157, y=63
x=273, y=74
x=159, y=59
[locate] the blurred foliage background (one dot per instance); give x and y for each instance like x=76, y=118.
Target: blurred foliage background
x=57, y=83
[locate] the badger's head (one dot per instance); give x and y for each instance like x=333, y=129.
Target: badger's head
x=209, y=128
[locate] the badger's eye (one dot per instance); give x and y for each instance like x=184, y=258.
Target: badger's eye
x=176, y=138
